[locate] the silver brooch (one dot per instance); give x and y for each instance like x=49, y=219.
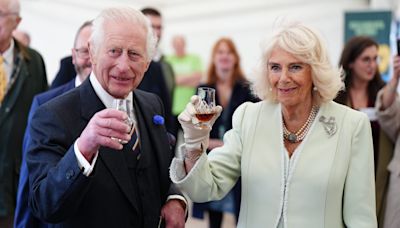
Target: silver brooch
x=329, y=124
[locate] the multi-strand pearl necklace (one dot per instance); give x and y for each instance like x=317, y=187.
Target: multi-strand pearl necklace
x=302, y=132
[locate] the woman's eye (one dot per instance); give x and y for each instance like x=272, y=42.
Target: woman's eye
x=274, y=68
x=295, y=68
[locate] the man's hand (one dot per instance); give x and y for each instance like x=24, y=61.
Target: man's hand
x=103, y=129
x=173, y=212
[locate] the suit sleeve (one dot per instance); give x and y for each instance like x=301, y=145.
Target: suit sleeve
x=23, y=215
x=359, y=190
x=57, y=185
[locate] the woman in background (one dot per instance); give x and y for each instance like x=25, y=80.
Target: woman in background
x=362, y=83
x=232, y=89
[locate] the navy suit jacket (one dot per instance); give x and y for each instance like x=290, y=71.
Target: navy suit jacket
x=65, y=74
x=61, y=194
x=23, y=216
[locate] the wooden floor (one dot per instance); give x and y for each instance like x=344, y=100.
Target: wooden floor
x=228, y=222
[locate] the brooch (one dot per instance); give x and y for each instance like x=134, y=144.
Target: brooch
x=158, y=120
x=329, y=125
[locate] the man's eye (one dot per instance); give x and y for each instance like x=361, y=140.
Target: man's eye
x=115, y=52
x=134, y=55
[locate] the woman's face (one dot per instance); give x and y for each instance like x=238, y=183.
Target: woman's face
x=365, y=65
x=224, y=59
x=289, y=78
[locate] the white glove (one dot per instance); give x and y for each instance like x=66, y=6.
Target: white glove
x=195, y=137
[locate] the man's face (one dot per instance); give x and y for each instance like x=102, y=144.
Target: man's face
x=8, y=22
x=121, y=60
x=80, y=53
x=156, y=24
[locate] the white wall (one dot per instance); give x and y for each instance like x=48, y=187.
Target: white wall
x=52, y=23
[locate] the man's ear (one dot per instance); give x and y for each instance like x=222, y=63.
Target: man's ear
x=91, y=54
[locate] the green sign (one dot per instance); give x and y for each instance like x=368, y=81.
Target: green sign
x=375, y=24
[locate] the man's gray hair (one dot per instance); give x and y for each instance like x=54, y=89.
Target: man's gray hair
x=123, y=14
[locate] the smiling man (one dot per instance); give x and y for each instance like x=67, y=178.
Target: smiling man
x=80, y=176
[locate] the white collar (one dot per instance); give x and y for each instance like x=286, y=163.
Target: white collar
x=78, y=81
x=8, y=54
x=104, y=96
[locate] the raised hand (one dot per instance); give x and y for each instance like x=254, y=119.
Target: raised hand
x=102, y=130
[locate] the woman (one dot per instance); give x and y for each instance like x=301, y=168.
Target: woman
x=388, y=111
x=232, y=89
x=362, y=82
x=304, y=160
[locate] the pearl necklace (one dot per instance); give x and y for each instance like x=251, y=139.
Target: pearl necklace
x=302, y=132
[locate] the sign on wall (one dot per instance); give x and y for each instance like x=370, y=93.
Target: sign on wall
x=375, y=24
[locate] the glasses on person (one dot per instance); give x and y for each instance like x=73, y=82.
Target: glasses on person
x=82, y=52
x=5, y=14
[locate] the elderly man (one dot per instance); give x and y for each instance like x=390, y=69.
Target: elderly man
x=22, y=75
x=80, y=171
x=80, y=56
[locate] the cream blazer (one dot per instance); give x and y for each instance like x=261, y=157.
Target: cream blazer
x=331, y=184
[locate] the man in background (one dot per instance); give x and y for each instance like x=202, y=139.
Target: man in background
x=157, y=78
x=156, y=23
x=22, y=75
x=80, y=58
x=187, y=68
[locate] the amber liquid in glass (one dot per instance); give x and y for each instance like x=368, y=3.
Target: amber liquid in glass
x=204, y=117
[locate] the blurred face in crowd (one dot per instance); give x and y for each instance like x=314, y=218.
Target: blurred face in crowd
x=9, y=21
x=365, y=65
x=156, y=24
x=289, y=78
x=224, y=58
x=178, y=43
x=121, y=60
x=80, y=53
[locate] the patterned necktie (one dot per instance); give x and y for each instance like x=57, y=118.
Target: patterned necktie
x=134, y=142
x=3, y=80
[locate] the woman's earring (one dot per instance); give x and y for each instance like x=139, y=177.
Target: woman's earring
x=270, y=89
x=315, y=88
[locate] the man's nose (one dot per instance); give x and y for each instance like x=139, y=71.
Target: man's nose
x=123, y=62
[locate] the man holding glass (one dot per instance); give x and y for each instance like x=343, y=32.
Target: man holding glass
x=82, y=173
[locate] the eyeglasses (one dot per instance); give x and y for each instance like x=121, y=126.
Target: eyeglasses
x=82, y=52
x=5, y=14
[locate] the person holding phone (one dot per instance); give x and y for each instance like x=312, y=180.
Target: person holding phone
x=388, y=113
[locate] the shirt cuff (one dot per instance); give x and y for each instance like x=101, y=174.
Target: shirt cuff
x=82, y=162
x=181, y=198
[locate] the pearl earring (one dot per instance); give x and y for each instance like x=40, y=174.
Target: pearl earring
x=315, y=88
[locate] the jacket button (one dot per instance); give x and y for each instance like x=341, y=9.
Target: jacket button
x=70, y=173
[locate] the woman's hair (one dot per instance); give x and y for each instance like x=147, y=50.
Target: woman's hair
x=305, y=44
x=352, y=50
x=237, y=74
x=123, y=14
